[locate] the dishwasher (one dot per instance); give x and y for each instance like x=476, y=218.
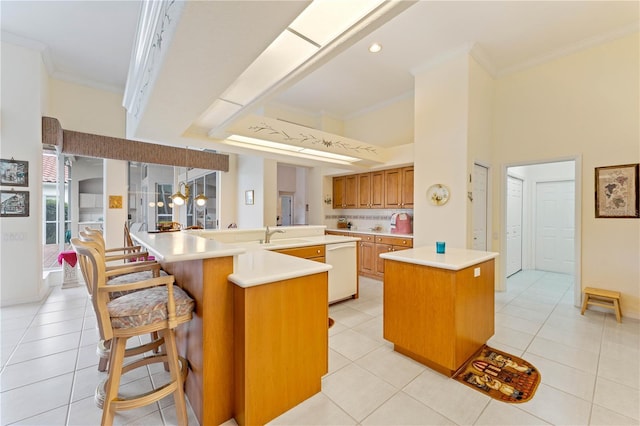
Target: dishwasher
x=343, y=277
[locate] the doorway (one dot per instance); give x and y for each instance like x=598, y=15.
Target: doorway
x=480, y=201
x=542, y=205
x=286, y=210
x=514, y=224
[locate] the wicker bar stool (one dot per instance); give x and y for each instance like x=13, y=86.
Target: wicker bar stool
x=119, y=274
x=157, y=305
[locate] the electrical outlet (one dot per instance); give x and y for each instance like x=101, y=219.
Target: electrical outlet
x=476, y=272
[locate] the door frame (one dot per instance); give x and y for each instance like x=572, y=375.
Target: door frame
x=577, y=273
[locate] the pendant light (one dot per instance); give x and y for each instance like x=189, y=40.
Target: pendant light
x=180, y=198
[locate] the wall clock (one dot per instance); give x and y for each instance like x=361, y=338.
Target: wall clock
x=438, y=194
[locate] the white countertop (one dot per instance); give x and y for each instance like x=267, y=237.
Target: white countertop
x=361, y=231
x=254, y=263
x=263, y=266
x=453, y=259
x=183, y=245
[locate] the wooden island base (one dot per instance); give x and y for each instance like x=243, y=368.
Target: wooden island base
x=438, y=317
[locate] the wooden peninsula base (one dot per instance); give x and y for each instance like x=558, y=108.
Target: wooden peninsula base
x=439, y=317
x=281, y=346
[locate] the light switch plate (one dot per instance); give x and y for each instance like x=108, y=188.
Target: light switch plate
x=476, y=272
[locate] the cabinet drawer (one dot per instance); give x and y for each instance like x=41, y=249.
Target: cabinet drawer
x=304, y=252
x=395, y=241
x=344, y=234
x=366, y=237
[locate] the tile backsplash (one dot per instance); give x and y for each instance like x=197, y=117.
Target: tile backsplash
x=363, y=220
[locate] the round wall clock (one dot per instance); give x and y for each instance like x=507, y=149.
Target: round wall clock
x=438, y=194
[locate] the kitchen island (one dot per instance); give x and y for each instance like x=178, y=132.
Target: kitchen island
x=439, y=308
x=258, y=341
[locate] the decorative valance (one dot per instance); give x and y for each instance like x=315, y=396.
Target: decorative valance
x=90, y=145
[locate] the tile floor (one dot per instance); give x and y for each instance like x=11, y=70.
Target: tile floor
x=590, y=366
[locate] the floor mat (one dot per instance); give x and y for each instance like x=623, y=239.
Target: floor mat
x=500, y=375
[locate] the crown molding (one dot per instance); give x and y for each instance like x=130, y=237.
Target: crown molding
x=28, y=43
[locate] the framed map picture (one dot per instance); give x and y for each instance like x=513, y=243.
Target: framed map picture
x=617, y=191
x=14, y=172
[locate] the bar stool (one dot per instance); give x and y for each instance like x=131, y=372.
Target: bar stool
x=118, y=274
x=157, y=305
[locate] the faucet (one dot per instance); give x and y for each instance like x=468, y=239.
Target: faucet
x=268, y=234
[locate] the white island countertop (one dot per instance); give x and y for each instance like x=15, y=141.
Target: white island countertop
x=258, y=267
x=453, y=259
x=181, y=245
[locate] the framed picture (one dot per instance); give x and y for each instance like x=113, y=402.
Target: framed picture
x=248, y=196
x=14, y=203
x=14, y=172
x=617, y=191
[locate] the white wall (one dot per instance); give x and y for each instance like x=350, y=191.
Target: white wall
x=24, y=100
x=115, y=186
x=228, y=190
x=300, y=198
x=254, y=174
x=441, y=120
x=586, y=104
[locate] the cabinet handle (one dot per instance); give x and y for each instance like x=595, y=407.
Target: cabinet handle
x=390, y=249
x=318, y=251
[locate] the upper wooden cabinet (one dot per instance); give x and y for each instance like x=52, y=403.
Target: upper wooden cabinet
x=374, y=190
x=370, y=190
x=399, y=188
x=345, y=192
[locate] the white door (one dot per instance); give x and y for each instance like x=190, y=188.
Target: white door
x=287, y=210
x=480, y=185
x=514, y=225
x=555, y=226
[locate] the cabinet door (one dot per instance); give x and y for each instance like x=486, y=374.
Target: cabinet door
x=377, y=190
x=392, y=185
x=367, y=257
x=407, y=187
x=351, y=191
x=338, y=192
x=87, y=200
x=364, y=190
x=381, y=248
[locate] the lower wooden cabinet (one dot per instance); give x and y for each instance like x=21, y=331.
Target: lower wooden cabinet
x=316, y=253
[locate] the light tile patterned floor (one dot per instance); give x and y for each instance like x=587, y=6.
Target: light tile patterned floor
x=590, y=366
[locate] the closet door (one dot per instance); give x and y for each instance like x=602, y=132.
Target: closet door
x=514, y=225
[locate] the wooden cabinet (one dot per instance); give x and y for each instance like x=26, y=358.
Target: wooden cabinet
x=316, y=253
x=399, y=188
x=367, y=256
x=370, y=190
x=374, y=190
x=345, y=192
x=439, y=317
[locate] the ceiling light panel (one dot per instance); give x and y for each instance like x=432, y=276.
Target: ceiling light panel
x=324, y=20
x=285, y=54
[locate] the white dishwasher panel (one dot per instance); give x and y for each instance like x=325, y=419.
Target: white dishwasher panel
x=343, y=277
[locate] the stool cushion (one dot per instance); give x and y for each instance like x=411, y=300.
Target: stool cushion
x=149, y=306
x=130, y=278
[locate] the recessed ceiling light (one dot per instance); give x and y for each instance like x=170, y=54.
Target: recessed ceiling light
x=375, y=48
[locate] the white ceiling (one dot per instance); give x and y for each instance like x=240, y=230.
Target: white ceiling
x=91, y=41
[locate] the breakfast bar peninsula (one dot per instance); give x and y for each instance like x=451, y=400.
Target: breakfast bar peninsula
x=258, y=341
x=439, y=308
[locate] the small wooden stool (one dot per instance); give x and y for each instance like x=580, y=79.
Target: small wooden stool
x=604, y=298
